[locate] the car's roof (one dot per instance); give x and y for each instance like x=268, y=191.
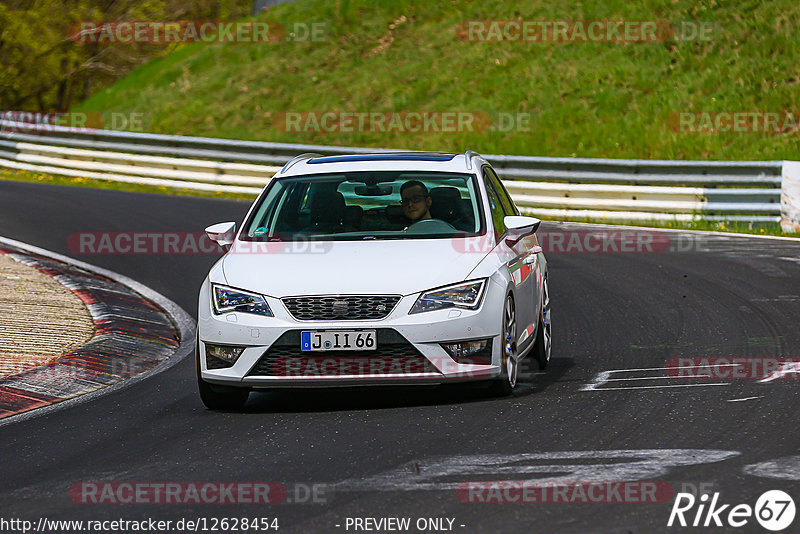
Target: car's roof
x=384, y=161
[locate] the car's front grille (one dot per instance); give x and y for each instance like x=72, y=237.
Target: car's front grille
x=340, y=308
x=394, y=356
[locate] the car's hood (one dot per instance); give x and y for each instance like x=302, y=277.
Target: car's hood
x=399, y=267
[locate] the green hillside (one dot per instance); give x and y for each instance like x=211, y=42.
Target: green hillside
x=579, y=98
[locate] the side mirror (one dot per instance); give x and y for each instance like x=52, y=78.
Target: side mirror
x=222, y=233
x=518, y=226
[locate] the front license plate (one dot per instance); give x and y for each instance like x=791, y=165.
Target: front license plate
x=322, y=340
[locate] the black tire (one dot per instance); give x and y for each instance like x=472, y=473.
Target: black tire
x=504, y=385
x=543, y=346
x=216, y=397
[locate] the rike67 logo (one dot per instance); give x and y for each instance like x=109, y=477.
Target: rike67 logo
x=774, y=510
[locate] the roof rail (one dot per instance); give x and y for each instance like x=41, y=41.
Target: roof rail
x=468, y=155
x=301, y=157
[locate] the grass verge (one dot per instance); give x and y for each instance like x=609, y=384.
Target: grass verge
x=581, y=98
x=42, y=178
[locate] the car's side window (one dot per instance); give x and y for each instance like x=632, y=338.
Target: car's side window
x=505, y=199
x=495, y=206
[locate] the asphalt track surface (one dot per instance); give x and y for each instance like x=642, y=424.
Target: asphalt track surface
x=381, y=452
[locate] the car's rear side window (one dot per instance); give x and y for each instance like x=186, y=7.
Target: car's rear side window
x=495, y=206
x=505, y=199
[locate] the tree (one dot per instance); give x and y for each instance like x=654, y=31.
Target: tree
x=45, y=63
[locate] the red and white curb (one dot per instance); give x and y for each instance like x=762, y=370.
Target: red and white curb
x=138, y=333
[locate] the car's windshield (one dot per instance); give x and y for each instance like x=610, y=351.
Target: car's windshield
x=367, y=205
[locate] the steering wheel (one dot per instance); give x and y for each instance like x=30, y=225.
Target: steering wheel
x=430, y=226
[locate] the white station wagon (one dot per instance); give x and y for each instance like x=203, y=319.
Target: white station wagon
x=373, y=269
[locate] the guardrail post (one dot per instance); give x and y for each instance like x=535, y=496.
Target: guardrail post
x=790, y=197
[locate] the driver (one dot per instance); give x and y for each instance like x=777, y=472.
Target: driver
x=415, y=201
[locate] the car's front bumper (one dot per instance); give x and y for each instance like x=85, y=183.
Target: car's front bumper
x=422, y=332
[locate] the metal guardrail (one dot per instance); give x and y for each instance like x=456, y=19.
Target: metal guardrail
x=560, y=187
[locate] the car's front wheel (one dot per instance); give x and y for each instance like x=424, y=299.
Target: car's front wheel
x=219, y=397
x=504, y=384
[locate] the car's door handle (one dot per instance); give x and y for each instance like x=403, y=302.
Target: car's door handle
x=536, y=250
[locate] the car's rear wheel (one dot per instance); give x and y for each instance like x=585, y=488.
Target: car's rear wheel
x=219, y=397
x=543, y=344
x=504, y=384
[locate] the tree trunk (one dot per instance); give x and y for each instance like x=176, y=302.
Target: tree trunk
x=62, y=87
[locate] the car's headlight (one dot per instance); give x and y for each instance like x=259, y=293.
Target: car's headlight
x=464, y=295
x=227, y=299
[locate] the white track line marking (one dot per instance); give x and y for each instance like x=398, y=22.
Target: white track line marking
x=786, y=368
x=604, y=377
x=660, y=387
x=744, y=399
x=668, y=368
x=654, y=378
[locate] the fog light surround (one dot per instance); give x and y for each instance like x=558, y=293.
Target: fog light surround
x=222, y=356
x=474, y=351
